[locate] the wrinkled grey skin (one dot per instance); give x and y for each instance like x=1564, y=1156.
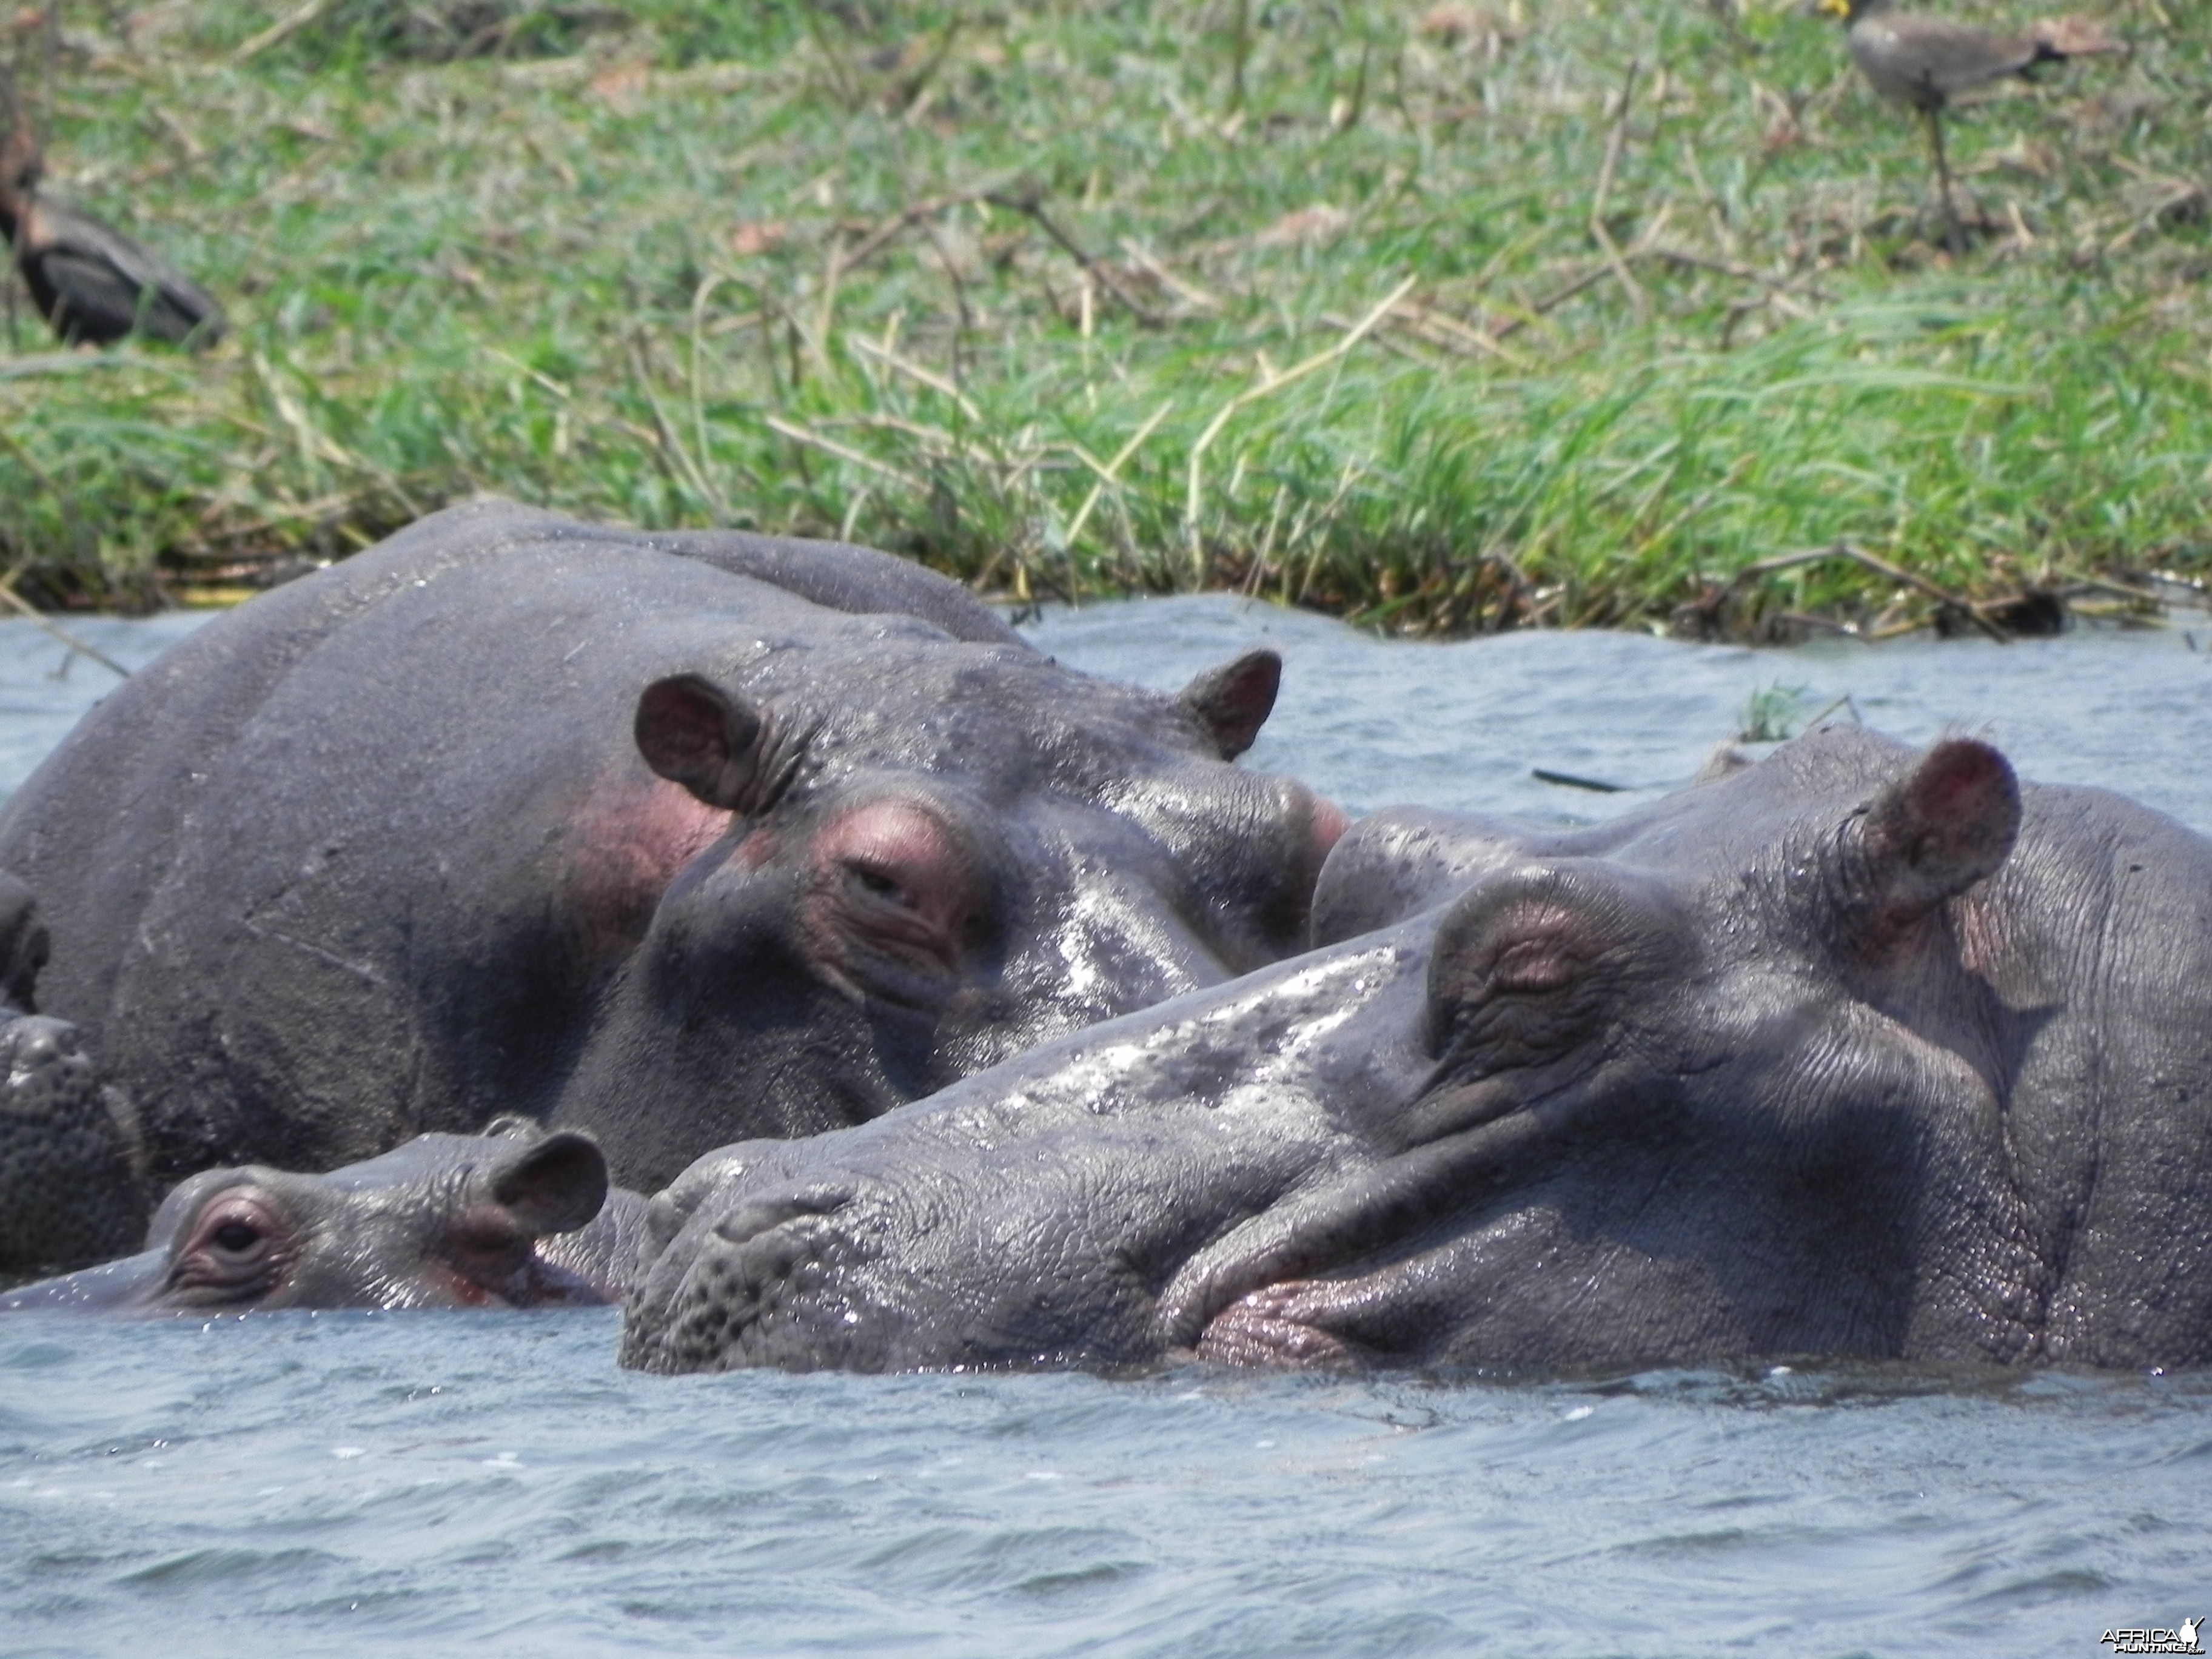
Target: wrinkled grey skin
x=674, y=838
x=1852, y=1051
x=71, y=1188
x=514, y=1218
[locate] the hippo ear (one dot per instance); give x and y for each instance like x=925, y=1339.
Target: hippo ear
x=694, y=732
x=554, y=1185
x=1934, y=833
x=1233, y=702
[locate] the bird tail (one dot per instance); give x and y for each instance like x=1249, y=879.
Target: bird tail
x=2058, y=38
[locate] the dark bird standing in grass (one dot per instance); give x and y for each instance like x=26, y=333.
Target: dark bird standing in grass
x=1923, y=61
x=88, y=280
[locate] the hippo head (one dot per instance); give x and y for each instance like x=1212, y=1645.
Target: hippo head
x=443, y=1221
x=879, y=903
x=1830, y=1054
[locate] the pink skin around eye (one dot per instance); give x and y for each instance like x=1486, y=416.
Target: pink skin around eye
x=232, y=1242
x=1540, y=948
x=888, y=875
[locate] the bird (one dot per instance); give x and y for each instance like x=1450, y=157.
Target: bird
x=91, y=282
x=1925, y=61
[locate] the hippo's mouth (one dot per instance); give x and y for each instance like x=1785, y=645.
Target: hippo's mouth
x=1268, y=1293
x=1281, y=1325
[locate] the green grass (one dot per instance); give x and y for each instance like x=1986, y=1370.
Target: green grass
x=809, y=268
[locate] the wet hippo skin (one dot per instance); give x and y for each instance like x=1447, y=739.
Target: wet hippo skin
x=1856, y=1051
x=72, y=1184
x=514, y=1218
x=675, y=838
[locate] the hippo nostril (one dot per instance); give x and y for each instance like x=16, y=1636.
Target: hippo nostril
x=35, y=1043
x=749, y=1220
x=41, y=1042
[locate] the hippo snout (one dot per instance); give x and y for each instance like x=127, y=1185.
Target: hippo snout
x=36, y=1050
x=750, y=1220
x=777, y=1279
x=69, y=1187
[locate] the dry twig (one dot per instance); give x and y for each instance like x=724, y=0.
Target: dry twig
x=1615, y=142
x=1896, y=572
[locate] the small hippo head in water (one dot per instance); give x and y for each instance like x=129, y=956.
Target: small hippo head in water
x=1855, y=1051
x=511, y=1217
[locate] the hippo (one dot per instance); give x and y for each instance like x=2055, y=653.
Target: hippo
x=1856, y=1051
x=516, y=1216
x=71, y=1182
x=678, y=839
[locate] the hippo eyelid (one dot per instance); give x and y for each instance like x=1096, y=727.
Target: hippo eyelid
x=879, y=882
x=240, y=1265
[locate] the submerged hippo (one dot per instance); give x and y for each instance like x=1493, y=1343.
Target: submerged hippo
x=71, y=1189
x=512, y=1218
x=676, y=838
x=1856, y=1051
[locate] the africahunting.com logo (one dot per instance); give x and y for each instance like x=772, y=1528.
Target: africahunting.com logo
x=2182, y=1639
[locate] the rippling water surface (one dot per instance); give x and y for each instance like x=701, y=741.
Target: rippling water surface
x=364, y=1484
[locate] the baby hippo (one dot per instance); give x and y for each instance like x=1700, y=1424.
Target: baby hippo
x=512, y=1218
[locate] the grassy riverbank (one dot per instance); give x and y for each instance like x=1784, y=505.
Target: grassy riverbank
x=1448, y=318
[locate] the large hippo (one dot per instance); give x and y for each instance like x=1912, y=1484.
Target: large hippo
x=675, y=838
x=71, y=1185
x=1855, y=1051
x=515, y=1217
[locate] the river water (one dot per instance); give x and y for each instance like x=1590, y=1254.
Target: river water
x=471, y=1483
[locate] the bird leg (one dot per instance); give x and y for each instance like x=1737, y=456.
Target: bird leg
x=1954, y=238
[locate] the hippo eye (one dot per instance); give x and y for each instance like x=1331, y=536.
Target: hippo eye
x=1542, y=961
x=1539, y=962
x=237, y=1244
x=877, y=883
x=896, y=900
x=236, y=1236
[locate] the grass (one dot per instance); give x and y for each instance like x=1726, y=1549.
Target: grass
x=1627, y=313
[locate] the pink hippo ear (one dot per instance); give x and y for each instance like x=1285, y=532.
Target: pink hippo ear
x=553, y=1185
x=1233, y=702
x=1945, y=825
x=710, y=740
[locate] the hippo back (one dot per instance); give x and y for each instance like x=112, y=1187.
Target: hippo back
x=381, y=851
x=159, y=727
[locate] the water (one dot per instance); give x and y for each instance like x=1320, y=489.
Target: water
x=357, y=1484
